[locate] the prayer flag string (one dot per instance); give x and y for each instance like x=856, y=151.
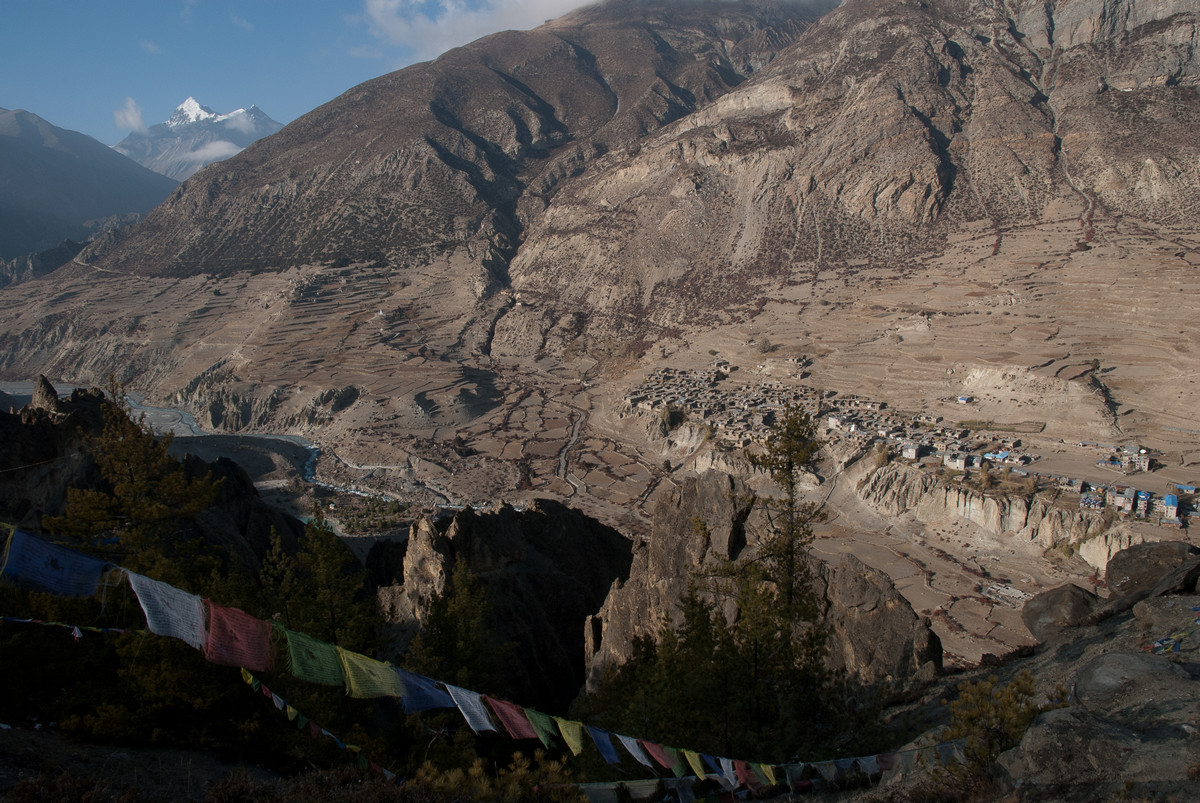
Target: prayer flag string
x=231, y=637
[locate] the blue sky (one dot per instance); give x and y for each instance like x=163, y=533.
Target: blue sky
x=104, y=66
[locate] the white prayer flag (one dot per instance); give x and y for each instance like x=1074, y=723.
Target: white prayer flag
x=635, y=750
x=472, y=708
x=170, y=611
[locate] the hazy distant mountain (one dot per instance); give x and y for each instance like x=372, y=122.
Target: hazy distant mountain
x=195, y=136
x=57, y=184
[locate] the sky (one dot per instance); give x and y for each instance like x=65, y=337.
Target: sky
x=106, y=67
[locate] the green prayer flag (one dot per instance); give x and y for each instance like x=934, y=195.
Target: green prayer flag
x=313, y=660
x=677, y=765
x=543, y=724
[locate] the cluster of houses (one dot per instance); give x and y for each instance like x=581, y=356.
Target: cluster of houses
x=1170, y=509
x=739, y=414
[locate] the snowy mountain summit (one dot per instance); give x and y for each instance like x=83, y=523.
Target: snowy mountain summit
x=190, y=111
x=195, y=136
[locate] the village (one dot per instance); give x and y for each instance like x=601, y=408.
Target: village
x=738, y=415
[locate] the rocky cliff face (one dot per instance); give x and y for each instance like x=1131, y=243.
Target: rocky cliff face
x=545, y=570
x=896, y=489
x=875, y=634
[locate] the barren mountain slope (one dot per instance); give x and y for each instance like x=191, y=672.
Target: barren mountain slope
x=927, y=198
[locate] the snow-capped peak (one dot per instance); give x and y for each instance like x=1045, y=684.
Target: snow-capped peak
x=190, y=112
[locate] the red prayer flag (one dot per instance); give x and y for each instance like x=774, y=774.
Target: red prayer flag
x=512, y=717
x=745, y=775
x=236, y=638
x=656, y=753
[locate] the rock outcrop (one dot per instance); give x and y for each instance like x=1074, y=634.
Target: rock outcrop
x=896, y=489
x=545, y=570
x=875, y=634
x=1051, y=611
x=1137, y=570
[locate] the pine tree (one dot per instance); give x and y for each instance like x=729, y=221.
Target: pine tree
x=145, y=499
x=456, y=642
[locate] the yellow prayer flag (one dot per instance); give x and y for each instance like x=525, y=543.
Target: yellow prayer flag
x=572, y=733
x=768, y=771
x=292, y=713
x=697, y=765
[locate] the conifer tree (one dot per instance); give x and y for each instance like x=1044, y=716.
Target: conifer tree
x=456, y=642
x=145, y=497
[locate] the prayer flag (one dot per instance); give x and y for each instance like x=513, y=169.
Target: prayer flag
x=744, y=775
x=604, y=745
x=712, y=763
x=169, y=611
x=635, y=750
x=794, y=773
x=677, y=765
x=843, y=765
x=512, y=717
x=885, y=761
x=292, y=713
x=421, y=693
x=572, y=733
x=658, y=754
x=693, y=760
x=472, y=709
x=728, y=772
x=768, y=774
x=869, y=765
x=236, y=638
x=827, y=769
x=39, y=565
x=280, y=703
x=312, y=660
x=366, y=677
x=543, y=724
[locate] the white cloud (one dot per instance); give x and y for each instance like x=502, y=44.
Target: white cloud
x=242, y=23
x=129, y=116
x=429, y=29
x=213, y=151
x=240, y=122
x=151, y=47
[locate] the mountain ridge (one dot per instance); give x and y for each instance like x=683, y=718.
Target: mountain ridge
x=58, y=184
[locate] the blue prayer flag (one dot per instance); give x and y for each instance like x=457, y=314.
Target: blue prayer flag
x=40, y=565
x=603, y=740
x=422, y=693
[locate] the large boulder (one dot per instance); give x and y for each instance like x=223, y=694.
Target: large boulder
x=1051, y=611
x=877, y=638
x=1138, y=569
x=1131, y=721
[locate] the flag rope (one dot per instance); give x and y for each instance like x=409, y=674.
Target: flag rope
x=471, y=706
